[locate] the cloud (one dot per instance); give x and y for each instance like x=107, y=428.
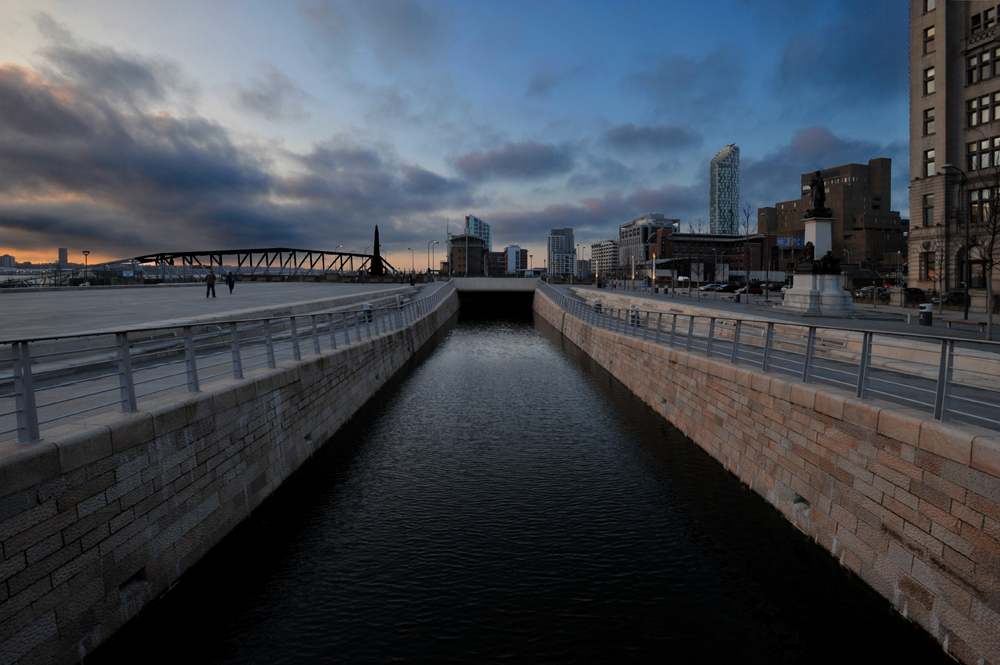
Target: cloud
x=776, y=176
x=517, y=161
x=631, y=137
x=540, y=85
x=395, y=32
x=272, y=95
x=702, y=87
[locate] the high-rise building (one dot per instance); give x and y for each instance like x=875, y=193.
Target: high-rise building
x=517, y=258
x=724, y=176
x=562, y=252
x=468, y=256
x=63, y=256
x=474, y=226
x=604, y=258
x=954, y=109
x=634, y=237
x=865, y=230
x=6, y=261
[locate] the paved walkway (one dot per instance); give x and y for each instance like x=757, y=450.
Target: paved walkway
x=70, y=310
x=881, y=318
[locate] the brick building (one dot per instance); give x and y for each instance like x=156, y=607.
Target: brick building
x=468, y=256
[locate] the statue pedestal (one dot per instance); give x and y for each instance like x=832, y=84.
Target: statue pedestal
x=818, y=295
x=819, y=231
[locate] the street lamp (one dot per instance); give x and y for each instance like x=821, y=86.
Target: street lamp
x=86, y=263
x=968, y=267
x=435, y=242
x=429, y=243
x=412, y=267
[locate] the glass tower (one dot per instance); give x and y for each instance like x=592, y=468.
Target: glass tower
x=725, y=179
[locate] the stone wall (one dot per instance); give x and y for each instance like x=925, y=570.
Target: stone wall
x=101, y=517
x=909, y=504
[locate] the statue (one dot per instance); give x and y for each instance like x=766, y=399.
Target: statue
x=819, y=208
x=828, y=265
x=377, y=269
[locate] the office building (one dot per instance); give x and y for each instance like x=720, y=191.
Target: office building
x=604, y=258
x=724, y=178
x=562, y=253
x=6, y=261
x=63, y=256
x=477, y=227
x=634, y=238
x=517, y=258
x=865, y=230
x=468, y=256
x=954, y=109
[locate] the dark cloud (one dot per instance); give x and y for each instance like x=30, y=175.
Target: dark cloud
x=540, y=85
x=702, y=87
x=396, y=32
x=632, y=137
x=517, y=161
x=776, y=176
x=272, y=95
x=122, y=78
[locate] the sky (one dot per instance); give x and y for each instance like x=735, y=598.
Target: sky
x=131, y=127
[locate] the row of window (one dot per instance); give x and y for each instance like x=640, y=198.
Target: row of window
x=980, y=202
x=977, y=272
x=982, y=109
x=984, y=20
x=982, y=66
x=978, y=154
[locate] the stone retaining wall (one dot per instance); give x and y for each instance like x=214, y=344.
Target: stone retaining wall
x=101, y=517
x=909, y=504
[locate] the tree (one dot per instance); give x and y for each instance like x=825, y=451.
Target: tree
x=696, y=226
x=984, y=217
x=748, y=225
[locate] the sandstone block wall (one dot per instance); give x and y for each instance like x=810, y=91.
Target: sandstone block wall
x=99, y=518
x=909, y=504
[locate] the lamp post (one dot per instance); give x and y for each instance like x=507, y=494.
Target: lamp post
x=412, y=267
x=86, y=263
x=968, y=268
x=429, y=243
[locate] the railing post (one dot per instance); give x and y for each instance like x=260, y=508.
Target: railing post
x=191, y=360
x=645, y=329
x=24, y=391
x=690, y=331
x=333, y=332
x=659, y=325
x=945, y=370
x=673, y=330
x=368, y=323
x=316, y=336
x=126, y=383
x=375, y=322
x=711, y=333
x=296, y=352
x=234, y=342
x=866, y=352
x=736, y=342
x=767, y=347
x=269, y=344
x=807, y=361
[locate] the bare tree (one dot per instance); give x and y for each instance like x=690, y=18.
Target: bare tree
x=696, y=226
x=748, y=225
x=984, y=216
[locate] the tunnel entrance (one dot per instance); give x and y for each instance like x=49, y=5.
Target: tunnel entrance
x=495, y=304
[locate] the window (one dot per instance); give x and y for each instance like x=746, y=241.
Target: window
x=928, y=163
x=989, y=18
x=928, y=122
x=927, y=272
x=971, y=157
x=979, y=205
x=976, y=22
x=929, y=40
x=972, y=70
x=928, y=210
x=928, y=80
x=929, y=5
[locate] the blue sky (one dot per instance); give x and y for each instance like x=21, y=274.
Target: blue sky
x=133, y=127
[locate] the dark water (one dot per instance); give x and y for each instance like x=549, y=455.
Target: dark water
x=507, y=500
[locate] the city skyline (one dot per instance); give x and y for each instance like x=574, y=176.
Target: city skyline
x=304, y=125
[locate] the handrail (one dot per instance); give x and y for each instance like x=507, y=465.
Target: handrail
x=949, y=384
x=149, y=365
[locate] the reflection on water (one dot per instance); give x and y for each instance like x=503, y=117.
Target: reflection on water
x=509, y=500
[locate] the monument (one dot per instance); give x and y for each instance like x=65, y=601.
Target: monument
x=377, y=269
x=818, y=286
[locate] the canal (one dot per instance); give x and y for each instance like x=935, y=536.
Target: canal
x=506, y=499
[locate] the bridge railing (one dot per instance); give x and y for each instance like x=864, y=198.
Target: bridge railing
x=43, y=384
x=947, y=377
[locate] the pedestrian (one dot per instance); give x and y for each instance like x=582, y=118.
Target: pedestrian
x=413, y=280
x=210, y=282
x=230, y=281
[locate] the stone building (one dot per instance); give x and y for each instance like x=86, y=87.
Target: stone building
x=634, y=238
x=468, y=256
x=866, y=231
x=604, y=258
x=954, y=138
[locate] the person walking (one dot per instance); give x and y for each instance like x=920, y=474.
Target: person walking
x=210, y=282
x=230, y=281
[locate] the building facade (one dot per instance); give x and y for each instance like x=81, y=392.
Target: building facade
x=517, y=258
x=562, y=253
x=6, y=261
x=954, y=115
x=724, y=178
x=634, y=238
x=604, y=258
x=63, y=256
x=474, y=226
x=865, y=230
x=468, y=256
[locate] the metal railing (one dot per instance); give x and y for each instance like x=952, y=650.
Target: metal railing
x=947, y=377
x=53, y=380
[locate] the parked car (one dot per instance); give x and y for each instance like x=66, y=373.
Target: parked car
x=785, y=288
x=709, y=287
x=752, y=290
x=727, y=288
x=950, y=298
